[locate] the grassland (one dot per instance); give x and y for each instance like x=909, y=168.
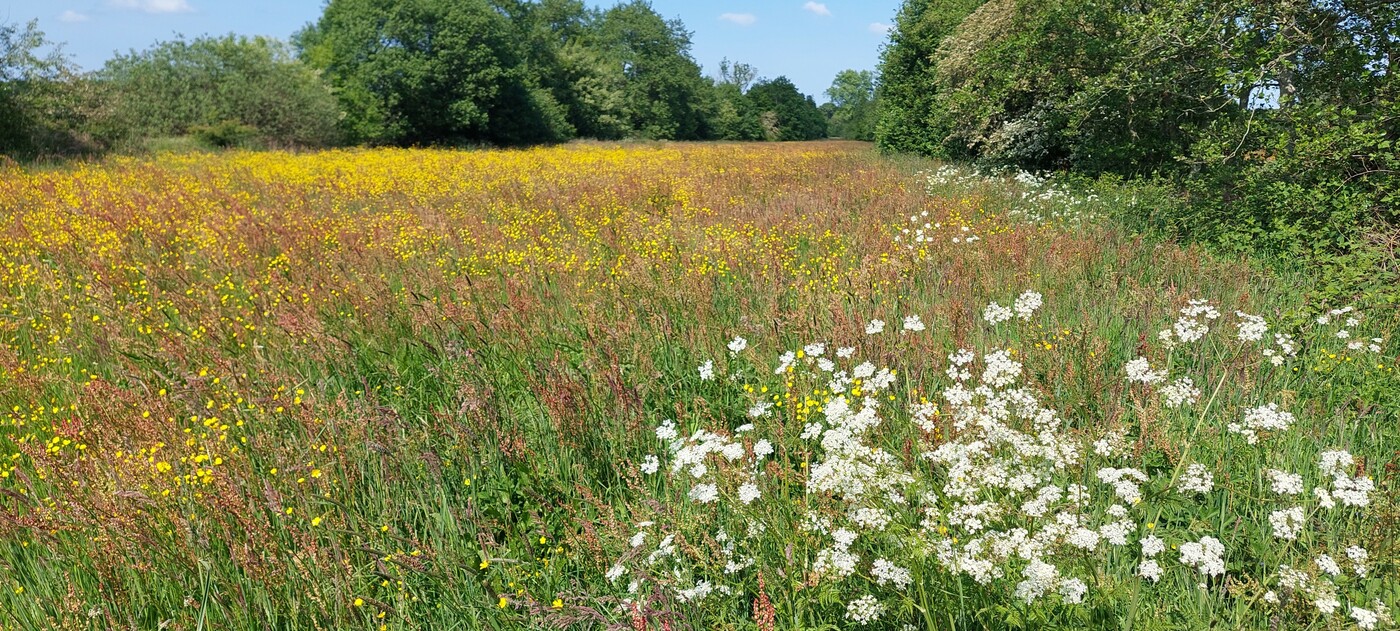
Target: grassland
x=401, y=389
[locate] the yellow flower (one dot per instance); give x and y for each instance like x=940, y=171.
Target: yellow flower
x=484, y=564
x=315, y=521
x=502, y=604
x=558, y=603
x=359, y=602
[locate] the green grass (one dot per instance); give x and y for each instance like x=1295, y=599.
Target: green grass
x=460, y=449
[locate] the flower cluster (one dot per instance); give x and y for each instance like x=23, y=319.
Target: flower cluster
x=992, y=484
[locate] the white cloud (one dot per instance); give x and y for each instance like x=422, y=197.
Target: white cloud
x=72, y=16
x=817, y=8
x=742, y=19
x=154, y=6
x=880, y=28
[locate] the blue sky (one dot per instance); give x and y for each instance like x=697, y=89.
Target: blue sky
x=808, y=41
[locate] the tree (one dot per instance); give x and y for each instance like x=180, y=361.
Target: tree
x=907, y=90
x=46, y=106
x=852, y=95
x=423, y=71
x=665, y=93
x=178, y=86
x=737, y=74
x=736, y=117
x=786, y=112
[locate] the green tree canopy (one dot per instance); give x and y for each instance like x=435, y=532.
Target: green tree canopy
x=45, y=105
x=179, y=85
x=666, y=95
x=852, y=112
x=422, y=71
x=787, y=113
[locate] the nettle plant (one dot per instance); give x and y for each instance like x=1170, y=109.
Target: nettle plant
x=1213, y=502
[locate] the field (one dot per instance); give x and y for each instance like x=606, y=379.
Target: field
x=667, y=386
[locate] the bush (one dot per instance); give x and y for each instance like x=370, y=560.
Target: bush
x=178, y=86
x=225, y=134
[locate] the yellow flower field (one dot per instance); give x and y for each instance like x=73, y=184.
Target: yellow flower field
x=418, y=388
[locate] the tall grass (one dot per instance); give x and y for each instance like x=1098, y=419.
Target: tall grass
x=415, y=389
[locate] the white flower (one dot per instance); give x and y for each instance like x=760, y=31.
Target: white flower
x=738, y=344
x=875, y=327
x=1285, y=483
x=650, y=464
x=1263, y=418
x=785, y=362
x=1251, y=327
x=1354, y=492
x=913, y=323
x=748, y=492
x=886, y=572
x=1027, y=303
x=1358, y=556
x=639, y=538
x=1084, y=538
x=1139, y=371
x=1327, y=603
x=1150, y=570
x=697, y=593
x=1116, y=533
x=995, y=314
x=1196, y=479
x=1287, y=523
x=1365, y=618
x=1327, y=564
x=864, y=610
x=1000, y=370
x=1324, y=498
x=762, y=448
x=1151, y=546
x=667, y=431
x=1335, y=463
x=1040, y=577
x=845, y=352
x=1292, y=579
x=1204, y=555
x=1073, y=590
x=615, y=572
x=1188, y=330
x=704, y=493
x=1181, y=392
x=814, y=350
x=707, y=370
x=872, y=518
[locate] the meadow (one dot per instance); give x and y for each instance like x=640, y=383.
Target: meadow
x=668, y=386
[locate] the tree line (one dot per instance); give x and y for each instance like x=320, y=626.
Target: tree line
x=1277, y=120
x=414, y=72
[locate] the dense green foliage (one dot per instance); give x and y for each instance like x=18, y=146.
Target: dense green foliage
x=251, y=88
x=516, y=72
x=45, y=105
x=852, y=105
x=786, y=113
x=410, y=72
x=1277, y=119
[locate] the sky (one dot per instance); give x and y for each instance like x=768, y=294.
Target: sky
x=804, y=40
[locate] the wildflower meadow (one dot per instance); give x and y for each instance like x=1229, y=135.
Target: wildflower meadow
x=667, y=386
